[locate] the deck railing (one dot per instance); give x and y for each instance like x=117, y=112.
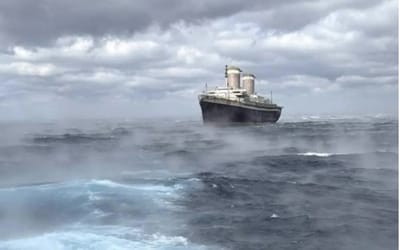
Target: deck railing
x=240, y=100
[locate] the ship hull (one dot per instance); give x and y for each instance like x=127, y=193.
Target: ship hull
x=232, y=112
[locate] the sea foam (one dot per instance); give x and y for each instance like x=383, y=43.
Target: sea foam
x=316, y=154
x=100, y=237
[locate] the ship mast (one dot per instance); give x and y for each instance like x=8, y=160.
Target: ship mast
x=271, y=96
x=226, y=79
x=226, y=75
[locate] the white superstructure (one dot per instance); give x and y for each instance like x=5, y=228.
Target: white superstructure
x=233, y=90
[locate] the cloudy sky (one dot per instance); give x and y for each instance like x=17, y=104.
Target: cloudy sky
x=122, y=58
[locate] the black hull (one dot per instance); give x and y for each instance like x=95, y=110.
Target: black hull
x=222, y=113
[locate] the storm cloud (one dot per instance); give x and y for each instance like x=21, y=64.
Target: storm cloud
x=126, y=58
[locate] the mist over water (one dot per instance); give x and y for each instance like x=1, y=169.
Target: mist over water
x=309, y=183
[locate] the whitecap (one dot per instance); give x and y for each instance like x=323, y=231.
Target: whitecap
x=315, y=154
x=194, y=179
x=101, y=237
x=142, y=187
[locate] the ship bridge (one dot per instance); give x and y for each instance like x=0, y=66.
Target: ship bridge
x=240, y=95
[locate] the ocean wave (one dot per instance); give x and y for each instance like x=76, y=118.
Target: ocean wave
x=323, y=154
x=169, y=190
x=365, y=118
x=90, y=193
x=76, y=136
x=167, y=186
x=95, y=190
x=72, y=138
x=86, y=201
x=95, y=183
x=100, y=237
x=316, y=154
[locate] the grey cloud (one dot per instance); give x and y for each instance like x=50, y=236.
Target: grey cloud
x=38, y=22
x=298, y=14
x=110, y=52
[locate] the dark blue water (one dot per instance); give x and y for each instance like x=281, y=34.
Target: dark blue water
x=315, y=183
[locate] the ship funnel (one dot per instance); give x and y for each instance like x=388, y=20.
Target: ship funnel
x=233, y=77
x=248, y=83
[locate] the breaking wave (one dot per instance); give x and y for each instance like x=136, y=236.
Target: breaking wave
x=100, y=237
x=316, y=154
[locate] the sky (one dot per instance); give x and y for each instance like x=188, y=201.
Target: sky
x=151, y=58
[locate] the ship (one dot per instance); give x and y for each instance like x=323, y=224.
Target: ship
x=234, y=103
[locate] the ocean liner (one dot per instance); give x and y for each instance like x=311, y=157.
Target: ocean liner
x=234, y=103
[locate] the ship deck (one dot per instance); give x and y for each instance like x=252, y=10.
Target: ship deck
x=241, y=103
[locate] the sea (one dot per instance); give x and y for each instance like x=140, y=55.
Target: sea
x=306, y=182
